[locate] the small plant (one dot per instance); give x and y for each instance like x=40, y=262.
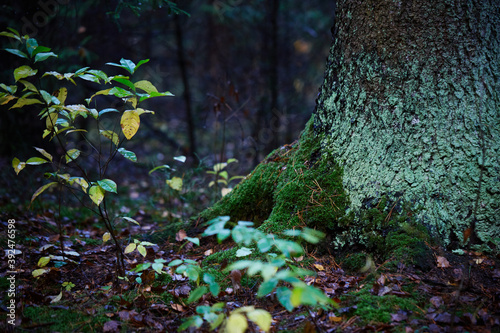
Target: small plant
x=278, y=272
x=91, y=187
x=222, y=177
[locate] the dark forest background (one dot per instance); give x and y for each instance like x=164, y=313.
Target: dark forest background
x=245, y=74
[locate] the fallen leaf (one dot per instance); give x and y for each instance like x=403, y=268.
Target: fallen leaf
x=442, y=262
x=111, y=326
x=180, y=235
x=177, y=307
x=208, y=252
x=436, y=301
x=319, y=267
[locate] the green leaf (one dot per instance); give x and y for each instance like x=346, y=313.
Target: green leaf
x=175, y=183
x=241, y=264
x=159, y=167
x=194, y=321
x=31, y=45
x=312, y=236
x=41, y=189
x=125, y=81
x=192, y=273
x=107, y=185
x=181, y=158
x=111, y=136
x=128, y=154
x=10, y=89
x=96, y=193
x=107, y=110
x=194, y=240
x=146, y=86
x=267, y=287
x=72, y=155
x=262, y=318
x=158, y=266
x=44, y=55
x=197, y=294
x=125, y=64
x=243, y=252
x=175, y=262
x=36, y=161
x=43, y=261
x=265, y=244
x=141, y=62
x=17, y=53
x=24, y=71
x=283, y=295
x=154, y=94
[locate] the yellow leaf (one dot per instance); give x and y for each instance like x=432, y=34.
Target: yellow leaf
x=96, y=193
x=110, y=135
x=141, y=111
x=236, y=323
x=106, y=237
x=130, y=248
x=61, y=94
x=18, y=165
x=72, y=155
x=175, y=183
x=319, y=267
x=41, y=189
x=142, y=250
x=261, y=317
x=130, y=123
x=51, y=120
x=44, y=153
x=38, y=272
x=43, y=261
x=146, y=86
x=57, y=298
x=25, y=101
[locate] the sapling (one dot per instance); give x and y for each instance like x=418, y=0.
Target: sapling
x=61, y=124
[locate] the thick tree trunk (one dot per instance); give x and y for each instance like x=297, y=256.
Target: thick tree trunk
x=410, y=108
x=406, y=129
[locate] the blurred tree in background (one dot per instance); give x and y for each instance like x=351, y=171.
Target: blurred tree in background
x=245, y=73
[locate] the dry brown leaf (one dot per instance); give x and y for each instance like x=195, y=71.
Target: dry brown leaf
x=236, y=279
x=180, y=235
x=177, y=307
x=442, y=262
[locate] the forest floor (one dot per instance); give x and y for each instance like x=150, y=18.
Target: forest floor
x=460, y=294
x=80, y=293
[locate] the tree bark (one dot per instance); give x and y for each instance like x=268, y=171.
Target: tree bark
x=410, y=108
x=407, y=123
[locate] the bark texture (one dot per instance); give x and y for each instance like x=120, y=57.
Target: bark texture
x=410, y=109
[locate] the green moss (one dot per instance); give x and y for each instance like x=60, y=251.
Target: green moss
x=64, y=320
x=372, y=308
x=293, y=187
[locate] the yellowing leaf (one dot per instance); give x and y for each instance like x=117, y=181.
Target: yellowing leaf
x=18, y=165
x=130, y=248
x=36, y=161
x=106, y=237
x=41, y=189
x=236, y=323
x=25, y=101
x=80, y=181
x=96, y=193
x=44, y=153
x=319, y=267
x=43, y=261
x=29, y=86
x=146, y=86
x=141, y=111
x=142, y=250
x=51, y=120
x=110, y=135
x=24, y=71
x=38, y=272
x=57, y=298
x=72, y=155
x=61, y=95
x=261, y=317
x=130, y=123
x=175, y=183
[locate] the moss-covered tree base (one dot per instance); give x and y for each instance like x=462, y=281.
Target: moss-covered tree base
x=295, y=187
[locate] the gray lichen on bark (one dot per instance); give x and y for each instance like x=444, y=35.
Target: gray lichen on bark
x=410, y=108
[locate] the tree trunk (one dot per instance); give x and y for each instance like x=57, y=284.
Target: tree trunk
x=406, y=128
